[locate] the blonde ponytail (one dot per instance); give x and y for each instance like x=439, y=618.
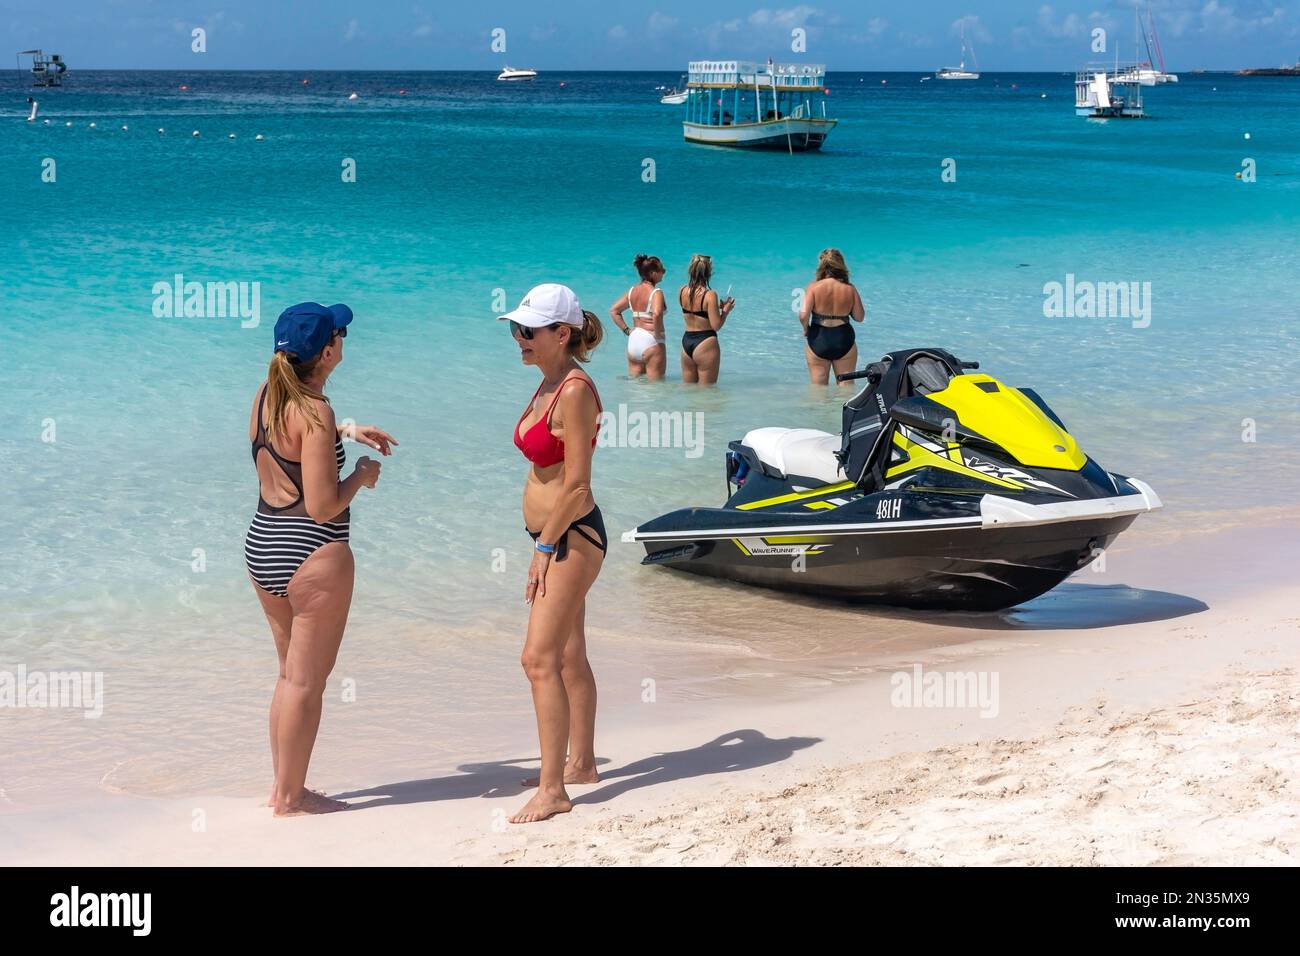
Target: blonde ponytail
x=284, y=388
x=582, y=341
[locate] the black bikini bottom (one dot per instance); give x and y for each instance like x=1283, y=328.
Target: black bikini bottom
x=593, y=520
x=831, y=342
x=691, y=339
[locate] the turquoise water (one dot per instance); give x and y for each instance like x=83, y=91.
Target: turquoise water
x=465, y=187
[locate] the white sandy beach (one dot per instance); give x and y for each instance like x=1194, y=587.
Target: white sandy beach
x=1157, y=741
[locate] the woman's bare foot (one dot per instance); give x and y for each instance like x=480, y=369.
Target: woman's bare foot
x=312, y=802
x=572, y=774
x=270, y=801
x=543, y=806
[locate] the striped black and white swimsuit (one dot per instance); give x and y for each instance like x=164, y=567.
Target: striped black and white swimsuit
x=280, y=539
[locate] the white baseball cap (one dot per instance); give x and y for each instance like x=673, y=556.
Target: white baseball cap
x=547, y=304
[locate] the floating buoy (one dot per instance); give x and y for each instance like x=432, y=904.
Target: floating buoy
x=1247, y=136
x=562, y=83
x=1238, y=175
x=826, y=90
x=161, y=131
x=123, y=127
x=306, y=82
x=231, y=136
x=92, y=125
x=401, y=92
x=47, y=122
x=1014, y=87
x=68, y=123
x=195, y=133
x=1042, y=96
x=884, y=82
x=258, y=136
x=184, y=87
x=353, y=96
x=35, y=106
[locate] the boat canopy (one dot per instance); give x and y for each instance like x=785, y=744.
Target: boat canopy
x=746, y=73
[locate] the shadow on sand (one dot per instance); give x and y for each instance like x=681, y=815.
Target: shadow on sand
x=738, y=750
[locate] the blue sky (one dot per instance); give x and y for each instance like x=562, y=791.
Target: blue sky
x=654, y=34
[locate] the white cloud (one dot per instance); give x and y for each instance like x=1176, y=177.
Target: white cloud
x=617, y=32
x=351, y=31
x=660, y=23
x=974, y=29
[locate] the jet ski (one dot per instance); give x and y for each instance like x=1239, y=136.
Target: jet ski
x=944, y=489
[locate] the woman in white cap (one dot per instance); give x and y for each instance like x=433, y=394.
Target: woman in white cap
x=647, y=349
x=297, y=546
x=557, y=434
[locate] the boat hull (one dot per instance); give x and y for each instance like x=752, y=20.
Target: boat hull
x=959, y=568
x=790, y=134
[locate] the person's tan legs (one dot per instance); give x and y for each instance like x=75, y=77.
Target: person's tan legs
x=321, y=594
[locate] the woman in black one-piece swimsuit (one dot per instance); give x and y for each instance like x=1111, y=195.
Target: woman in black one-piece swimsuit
x=831, y=304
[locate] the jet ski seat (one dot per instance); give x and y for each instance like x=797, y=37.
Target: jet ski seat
x=802, y=452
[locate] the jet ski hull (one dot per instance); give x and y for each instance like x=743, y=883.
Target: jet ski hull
x=971, y=568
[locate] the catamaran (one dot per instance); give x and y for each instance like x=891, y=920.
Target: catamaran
x=960, y=72
x=1146, y=73
x=739, y=103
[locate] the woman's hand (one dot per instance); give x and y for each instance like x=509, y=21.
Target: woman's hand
x=367, y=470
x=536, y=586
x=372, y=436
x=728, y=305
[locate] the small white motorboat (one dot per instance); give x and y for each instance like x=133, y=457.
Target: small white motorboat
x=510, y=73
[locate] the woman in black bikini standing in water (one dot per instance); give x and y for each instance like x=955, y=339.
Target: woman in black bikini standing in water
x=704, y=316
x=831, y=304
x=557, y=434
x=297, y=546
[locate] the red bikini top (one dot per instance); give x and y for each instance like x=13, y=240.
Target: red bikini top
x=538, y=444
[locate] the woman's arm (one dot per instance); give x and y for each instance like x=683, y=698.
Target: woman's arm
x=658, y=306
x=577, y=412
x=616, y=313
x=859, y=307
x=717, y=316
x=324, y=495
x=805, y=310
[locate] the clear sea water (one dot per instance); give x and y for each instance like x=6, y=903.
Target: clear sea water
x=464, y=187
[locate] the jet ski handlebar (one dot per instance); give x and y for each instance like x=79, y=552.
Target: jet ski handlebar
x=876, y=370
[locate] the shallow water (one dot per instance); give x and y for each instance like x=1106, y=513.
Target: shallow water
x=466, y=187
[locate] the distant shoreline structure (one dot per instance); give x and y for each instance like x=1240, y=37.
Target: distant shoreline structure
x=1271, y=71
x=676, y=70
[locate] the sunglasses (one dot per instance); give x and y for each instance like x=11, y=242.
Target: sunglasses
x=525, y=332
x=342, y=332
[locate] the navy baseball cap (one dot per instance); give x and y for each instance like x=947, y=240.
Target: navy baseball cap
x=303, y=330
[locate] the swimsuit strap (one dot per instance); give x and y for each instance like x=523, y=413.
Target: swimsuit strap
x=564, y=381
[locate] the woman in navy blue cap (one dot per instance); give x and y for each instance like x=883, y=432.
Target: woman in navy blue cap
x=297, y=546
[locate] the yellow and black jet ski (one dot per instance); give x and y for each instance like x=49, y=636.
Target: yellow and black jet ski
x=944, y=489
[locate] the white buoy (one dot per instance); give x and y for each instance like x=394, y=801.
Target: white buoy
x=259, y=136
x=161, y=131
x=68, y=123
x=47, y=122
x=195, y=133
x=1247, y=136
x=1042, y=96
x=92, y=125
x=32, y=116
x=231, y=136
x=123, y=127
x=353, y=97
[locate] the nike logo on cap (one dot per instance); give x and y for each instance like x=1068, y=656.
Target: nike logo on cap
x=285, y=342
